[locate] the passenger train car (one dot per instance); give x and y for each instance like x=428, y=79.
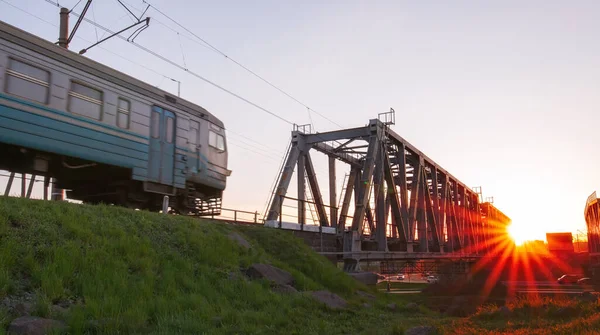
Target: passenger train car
x=105, y=136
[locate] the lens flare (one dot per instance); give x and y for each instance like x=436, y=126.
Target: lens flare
x=518, y=235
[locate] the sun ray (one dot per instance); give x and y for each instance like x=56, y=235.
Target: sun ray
x=492, y=280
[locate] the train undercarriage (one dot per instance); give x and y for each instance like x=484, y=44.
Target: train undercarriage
x=97, y=183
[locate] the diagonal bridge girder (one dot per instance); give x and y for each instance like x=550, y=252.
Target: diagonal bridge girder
x=402, y=200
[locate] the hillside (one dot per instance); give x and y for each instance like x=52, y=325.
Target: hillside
x=109, y=270
x=103, y=269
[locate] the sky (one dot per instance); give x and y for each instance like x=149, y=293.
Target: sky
x=502, y=94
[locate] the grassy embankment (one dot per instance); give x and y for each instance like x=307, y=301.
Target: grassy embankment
x=137, y=272
x=133, y=271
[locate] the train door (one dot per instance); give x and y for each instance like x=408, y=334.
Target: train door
x=162, y=146
x=194, y=135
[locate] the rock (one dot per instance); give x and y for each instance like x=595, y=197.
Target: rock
x=64, y=303
x=23, y=308
x=421, y=330
x=367, y=278
x=588, y=297
x=284, y=289
x=20, y=305
x=566, y=312
x=366, y=295
x=365, y=305
x=32, y=325
x=411, y=305
x=58, y=310
x=98, y=324
x=504, y=311
x=330, y=299
x=240, y=240
x=462, y=306
x=271, y=273
x=217, y=320
x=235, y=275
x=392, y=306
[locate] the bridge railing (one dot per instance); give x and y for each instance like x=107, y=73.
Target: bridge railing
x=237, y=215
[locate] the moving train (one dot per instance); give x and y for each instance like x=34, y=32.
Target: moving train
x=105, y=136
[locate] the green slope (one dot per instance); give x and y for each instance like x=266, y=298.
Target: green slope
x=125, y=271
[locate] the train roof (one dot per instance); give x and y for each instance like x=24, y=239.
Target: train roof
x=49, y=49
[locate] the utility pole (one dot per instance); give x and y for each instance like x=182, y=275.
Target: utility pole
x=64, y=38
x=178, y=86
x=58, y=194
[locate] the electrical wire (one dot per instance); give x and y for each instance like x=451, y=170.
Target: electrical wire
x=215, y=49
x=266, y=149
x=141, y=47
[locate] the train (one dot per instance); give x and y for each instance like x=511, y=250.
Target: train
x=104, y=136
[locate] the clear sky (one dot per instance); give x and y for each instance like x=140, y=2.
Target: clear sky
x=503, y=94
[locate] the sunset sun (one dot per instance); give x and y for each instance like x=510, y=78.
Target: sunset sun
x=517, y=233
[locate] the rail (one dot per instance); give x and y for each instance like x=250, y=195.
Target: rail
x=239, y=216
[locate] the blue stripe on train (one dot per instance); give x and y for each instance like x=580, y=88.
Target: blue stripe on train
x=74, y=140
x=45, y=139
x=35, y=125
x=73, y=116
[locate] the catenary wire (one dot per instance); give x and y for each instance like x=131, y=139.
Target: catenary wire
x=141, y=47
x=267, y=150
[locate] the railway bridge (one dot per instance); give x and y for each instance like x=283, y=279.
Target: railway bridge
x=396, y=203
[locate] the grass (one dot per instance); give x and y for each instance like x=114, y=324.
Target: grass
x=134, y=272
x=533, y=315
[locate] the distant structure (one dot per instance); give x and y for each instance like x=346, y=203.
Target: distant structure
x=538, y=246
x=560, y=243
x=592, y=220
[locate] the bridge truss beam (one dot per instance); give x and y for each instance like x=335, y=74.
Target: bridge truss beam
x=430, y=210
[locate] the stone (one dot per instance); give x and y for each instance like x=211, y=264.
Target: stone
x=588, y=297
x=421, y=330
x=271, y=273
x=217, y=320
x=367, y=278
x=58, y=310
x=366, y=295
x=411, y=305
x=365, y=305
x=505, y=311
x=392, y=306
x=330, y=299
x=284, y=289
x=566, y=312
x=32, y=325
x=462, y=306
x=240, y=240
x=23, y=308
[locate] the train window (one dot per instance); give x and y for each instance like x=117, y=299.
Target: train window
x=155, y=124
x=170, y=122
x=27, y=81
x=215, y=140
x=194, y=134
x=85, y=100
x=123, y=110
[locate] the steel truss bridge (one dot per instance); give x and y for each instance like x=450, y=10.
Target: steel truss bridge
x=403, y=202
x=592, y=220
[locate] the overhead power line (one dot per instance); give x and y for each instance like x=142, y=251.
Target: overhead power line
x=241, y=65
x=141, y=47
x=265, y=150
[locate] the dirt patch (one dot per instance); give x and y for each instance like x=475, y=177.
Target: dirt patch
x=271, y=273
x=32, y=325
x=330, y=299
x=240, y=240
